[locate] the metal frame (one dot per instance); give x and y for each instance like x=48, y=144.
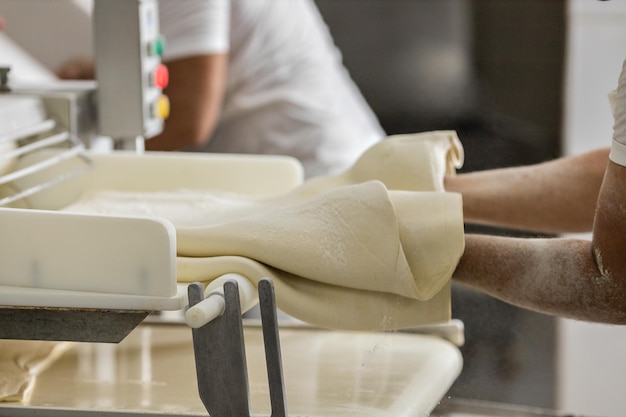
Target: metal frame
x=219, y=351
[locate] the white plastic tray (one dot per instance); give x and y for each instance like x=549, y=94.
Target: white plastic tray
x=57, y=259
x=327, y=374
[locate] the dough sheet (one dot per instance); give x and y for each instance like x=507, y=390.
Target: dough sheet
x=371, y=248
x=20, y=363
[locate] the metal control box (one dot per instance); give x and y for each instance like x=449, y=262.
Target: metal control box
x=128, y=68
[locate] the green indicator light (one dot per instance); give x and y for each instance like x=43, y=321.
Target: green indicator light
x=158, y=47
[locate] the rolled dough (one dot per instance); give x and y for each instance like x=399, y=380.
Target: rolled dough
x=371, y=248
x=410, y=162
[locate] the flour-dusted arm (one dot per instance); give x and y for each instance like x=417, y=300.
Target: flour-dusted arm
x=573, y=278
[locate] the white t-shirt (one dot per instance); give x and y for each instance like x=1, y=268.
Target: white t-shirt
x=287, y=91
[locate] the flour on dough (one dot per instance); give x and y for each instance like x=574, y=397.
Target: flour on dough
x=182, y=207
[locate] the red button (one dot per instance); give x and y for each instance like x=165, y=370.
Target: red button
x=161, y=76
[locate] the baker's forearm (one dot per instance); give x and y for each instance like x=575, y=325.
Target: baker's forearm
x=581, y=279
x=573, y=278
x=553, y=276
x=195, y=92
x=554, y=197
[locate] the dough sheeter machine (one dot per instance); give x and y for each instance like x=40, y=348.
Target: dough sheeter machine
x=108, y=280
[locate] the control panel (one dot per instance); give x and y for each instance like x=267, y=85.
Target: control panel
x=130, y=75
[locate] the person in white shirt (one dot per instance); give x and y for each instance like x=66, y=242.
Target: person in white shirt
x=261, y=77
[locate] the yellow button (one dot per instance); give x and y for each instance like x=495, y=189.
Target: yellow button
x=162, y=107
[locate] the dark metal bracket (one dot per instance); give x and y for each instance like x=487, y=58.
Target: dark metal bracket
x=68, y=324
x=219, y=351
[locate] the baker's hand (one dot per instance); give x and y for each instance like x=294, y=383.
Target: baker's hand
x=77, y=69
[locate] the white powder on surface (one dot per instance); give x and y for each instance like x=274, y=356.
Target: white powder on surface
x=184, y=208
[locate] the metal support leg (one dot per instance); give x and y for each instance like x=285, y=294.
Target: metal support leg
x=220, y=354
x=271, y=341
x=219, y=350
